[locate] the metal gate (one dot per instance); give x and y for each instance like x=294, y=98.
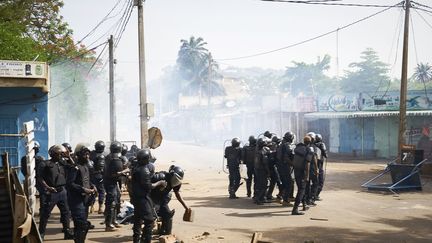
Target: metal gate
x=9, y=144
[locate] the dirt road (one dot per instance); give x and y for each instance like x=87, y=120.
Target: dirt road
x=347, y=214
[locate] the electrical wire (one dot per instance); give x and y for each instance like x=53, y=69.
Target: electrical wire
x=422, y=5
x=77, y=56
x=423, y=18
x=123, y=28
x=310, y=39
x=422, y=9
x=106, y=17
x=331, y=3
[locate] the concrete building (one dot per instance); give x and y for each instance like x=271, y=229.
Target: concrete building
x=24, y=88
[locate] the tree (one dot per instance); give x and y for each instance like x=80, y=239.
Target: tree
x=423, y=74
x=308, y=78
x=41, y=22
x=370, y=74
x=198, y=69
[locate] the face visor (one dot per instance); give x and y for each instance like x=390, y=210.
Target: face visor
x=176, y=180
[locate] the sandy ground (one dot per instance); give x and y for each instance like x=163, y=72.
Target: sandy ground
x=348, y=213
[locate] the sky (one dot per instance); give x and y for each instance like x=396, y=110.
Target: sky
x=236, y=28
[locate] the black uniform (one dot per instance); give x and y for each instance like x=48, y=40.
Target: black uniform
x=96, y=174
x=143, y=206
x=322, y=147
x=161, y=199
x=233, y=156
x=79, y=202
x=284, y=164
x=274, y=177
x=113, y=165
x=303, y=155
x=312, y=185
x=248, y=157
x=261, y=174
x=53, y=173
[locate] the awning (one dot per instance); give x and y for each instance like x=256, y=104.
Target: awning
x=357, y=114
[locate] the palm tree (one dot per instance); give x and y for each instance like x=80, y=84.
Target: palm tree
x=423, y=73
x=198, y=68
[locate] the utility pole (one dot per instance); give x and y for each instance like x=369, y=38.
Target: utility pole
x=111, y=90
x=404, y=80
x=142, y=80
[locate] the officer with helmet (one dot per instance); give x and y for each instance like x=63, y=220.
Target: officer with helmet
x=323, y=156
x=285, y=156
x=112, y=172
x=52, y=178
x=80, y=193
x=248, y=157
x=312, y=185
x=141, y=186
x=261, y=171
x=161, y=198
x=233, y=154
x=97, y=171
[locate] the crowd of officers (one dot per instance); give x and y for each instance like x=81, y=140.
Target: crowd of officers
x=72, y=180
x=272, y=161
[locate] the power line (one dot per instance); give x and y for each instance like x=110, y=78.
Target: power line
x=100, y=22
x=422, y=5
x=422, y=9
x=310, y=39
x=331, y=3
x=421, y=16
x=77, y=56
x=129, y=14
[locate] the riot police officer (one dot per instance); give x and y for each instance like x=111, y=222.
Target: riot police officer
x=96, y=173
x=80, y=193
x=112, y=172
x=274, y=173
x=323, y=156
x=312, y=185
x=261, y=171
x=233, y=155
x=52, y=178
x=285, y=156
x=140, y=197
x=161, y=198
x=303, y=155
x=248, y=157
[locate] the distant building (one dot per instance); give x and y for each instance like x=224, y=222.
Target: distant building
x=24, y=88
x=364, y=125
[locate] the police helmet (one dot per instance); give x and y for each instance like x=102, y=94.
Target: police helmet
x=235, y=142
x=307, y=139
x=268, y=134
x=261, y=142
x=81, y=149
x=124, y=149
x=56, y=150
x=36, y=147
x=99, y=146
x=252, y=140
x=275, y=139
x=115, y=147
x=312, y=135
x=318, y=137
x=177, y=175
x=67, y=146
x=289, y=136
x=143, y=155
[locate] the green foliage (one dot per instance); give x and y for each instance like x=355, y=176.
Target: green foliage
x=309, y=78
x=39, y=25
x=15, y=46
x=370, y=74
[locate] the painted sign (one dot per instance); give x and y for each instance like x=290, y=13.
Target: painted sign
x=379, y=101
x=19, y=69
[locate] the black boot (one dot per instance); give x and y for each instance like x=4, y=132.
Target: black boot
x=80, y=234
x=166, y=226
x=136, y=238
x=68, y=234
x=295, y=210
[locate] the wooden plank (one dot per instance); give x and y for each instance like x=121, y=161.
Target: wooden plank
x=28, y=126
x=20, y=214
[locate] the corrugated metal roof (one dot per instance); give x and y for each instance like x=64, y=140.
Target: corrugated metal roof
x=356, y=114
